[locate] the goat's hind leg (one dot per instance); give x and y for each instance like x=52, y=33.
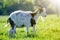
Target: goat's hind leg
x=11, y=32
x=13, y=28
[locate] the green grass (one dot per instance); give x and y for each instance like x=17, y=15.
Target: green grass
x=47, y=30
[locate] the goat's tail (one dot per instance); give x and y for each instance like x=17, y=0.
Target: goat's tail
x=6, y=24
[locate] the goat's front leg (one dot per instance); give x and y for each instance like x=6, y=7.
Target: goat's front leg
x=27, y=23
x=34, y=29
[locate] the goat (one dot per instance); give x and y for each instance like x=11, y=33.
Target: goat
x=24, y=18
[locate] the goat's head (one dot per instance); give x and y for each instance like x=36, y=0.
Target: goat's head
x=42, y=11
x=39, y=11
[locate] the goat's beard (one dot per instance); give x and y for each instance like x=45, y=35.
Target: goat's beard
x=42, y=19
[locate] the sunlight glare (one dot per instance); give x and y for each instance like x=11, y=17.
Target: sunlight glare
x=56, y=2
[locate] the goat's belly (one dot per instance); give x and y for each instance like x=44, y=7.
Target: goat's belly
x=21, y=26
x=20, y=22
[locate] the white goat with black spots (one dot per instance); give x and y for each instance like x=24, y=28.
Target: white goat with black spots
x=24, y=18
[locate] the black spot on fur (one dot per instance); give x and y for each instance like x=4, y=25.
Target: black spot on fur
x=32, y=22
x=11, y=22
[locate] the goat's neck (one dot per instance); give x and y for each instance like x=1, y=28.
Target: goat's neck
x=36, y=16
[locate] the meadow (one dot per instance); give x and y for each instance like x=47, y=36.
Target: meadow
x=47, y=30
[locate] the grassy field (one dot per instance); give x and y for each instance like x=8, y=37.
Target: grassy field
x=48, y=30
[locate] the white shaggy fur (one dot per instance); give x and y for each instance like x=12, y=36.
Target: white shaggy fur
x=21, y=17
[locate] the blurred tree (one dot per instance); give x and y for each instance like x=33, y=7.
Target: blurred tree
x=8, y=6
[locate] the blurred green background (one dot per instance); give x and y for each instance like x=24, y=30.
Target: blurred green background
x=8, y=6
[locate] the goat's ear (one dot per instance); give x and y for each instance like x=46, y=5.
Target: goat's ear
x=33, y=14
